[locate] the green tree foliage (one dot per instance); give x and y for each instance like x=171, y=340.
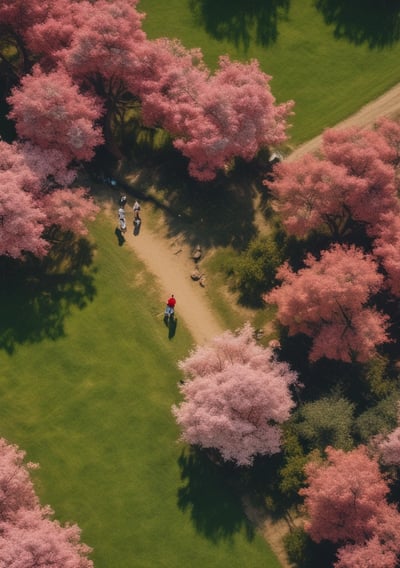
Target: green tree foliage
x=292, y=475
x=378, y=419
x=326, y=422
x=254, y=269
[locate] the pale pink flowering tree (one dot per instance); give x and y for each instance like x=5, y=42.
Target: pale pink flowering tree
x=388, y=446
x=31, y=538
x=328, y=301
x=28, y=536
x=49, y=110
x=236, y=394
x=16, y=488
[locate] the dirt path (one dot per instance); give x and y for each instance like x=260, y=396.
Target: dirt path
x=169, y=260
x=386, y=105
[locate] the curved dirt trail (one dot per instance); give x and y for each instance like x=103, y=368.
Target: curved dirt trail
x=387, y=104
x=169, y=260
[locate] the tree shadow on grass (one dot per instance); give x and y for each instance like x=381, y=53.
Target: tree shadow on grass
x=37, y=295
x=210, y=214
x=208, y=493
x=376, y=24
x=241, y=22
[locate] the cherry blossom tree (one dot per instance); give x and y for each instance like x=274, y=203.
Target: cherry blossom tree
x=50, y=111
x=236, y=394
x=313, y=194
x=16, y=17
x=28, y=535
x=353, y=179
x=30, y=202
x=33, y=539
x=388, y=446
x=386, y=248
x=328, y=300
x=346, y=504
x=370, y=554
x=366, y=154
x=214, y=117
x=382, y=549
x=107, y=54
x=21, y=221
x=343, y=496
x=48, y=36
x=16, y=488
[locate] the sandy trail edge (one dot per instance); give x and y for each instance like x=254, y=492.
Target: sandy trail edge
x=169, y=260
x=387, y=104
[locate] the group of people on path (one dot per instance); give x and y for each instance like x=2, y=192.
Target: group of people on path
x=121, y=213
x=171, y=302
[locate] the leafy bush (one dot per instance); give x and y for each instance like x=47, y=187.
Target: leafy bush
x=254, y=270
x=378, y=419
x=326, y=422
x=304, y=553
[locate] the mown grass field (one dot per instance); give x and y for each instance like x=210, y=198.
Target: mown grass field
x=330, y=56
x=88, y=377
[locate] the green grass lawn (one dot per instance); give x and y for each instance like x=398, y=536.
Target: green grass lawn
x=88, y=377
x=330, y=70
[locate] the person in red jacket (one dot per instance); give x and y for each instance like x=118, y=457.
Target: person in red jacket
x=169, y=310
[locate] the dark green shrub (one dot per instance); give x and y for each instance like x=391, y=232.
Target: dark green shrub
x=379, y=419
x=326, y=422
x=304, y=553
x=254, y=270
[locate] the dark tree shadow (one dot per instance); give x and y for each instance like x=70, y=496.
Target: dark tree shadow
x=376, y=24
x=120, y=236
x=208, y=494
x=217, y=213
x=241, y=22
x=171, y=324
x=37, y=295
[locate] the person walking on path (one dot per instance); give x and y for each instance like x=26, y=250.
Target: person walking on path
x=122, y=219
x=136, y=212
x=170, y=307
